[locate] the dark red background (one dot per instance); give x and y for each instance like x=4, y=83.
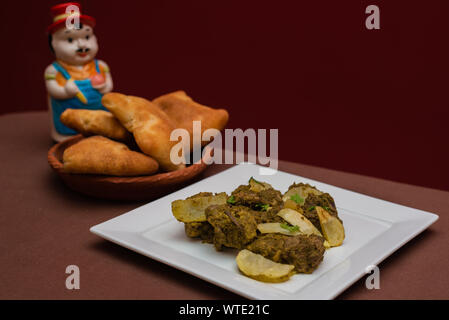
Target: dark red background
x=343, y=97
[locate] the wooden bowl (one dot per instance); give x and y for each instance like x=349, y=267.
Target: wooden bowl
x=122, y=188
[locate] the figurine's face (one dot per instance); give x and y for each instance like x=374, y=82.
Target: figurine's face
x=75, y=47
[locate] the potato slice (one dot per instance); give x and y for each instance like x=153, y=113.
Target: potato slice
x=300, y=194
x=260, y=268
x=258, y=186
x=332, y=228
x=276, y=227
x=295, y=218
x=291, y=204
x=193, y=209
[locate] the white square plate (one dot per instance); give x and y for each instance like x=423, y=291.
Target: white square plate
x=374, y=229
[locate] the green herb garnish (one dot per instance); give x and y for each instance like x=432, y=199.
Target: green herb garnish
x=289, y=227
x=326, y=208
x=231, y=200
x=262, y=207
x=297, y=198
x=311, y=208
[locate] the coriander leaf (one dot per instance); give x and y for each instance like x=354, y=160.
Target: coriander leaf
x=311, y=208
x=297, y=198
x=326, y=208
x=262, y=207
x=266, y=207
x=231, y=200
x=289, y=227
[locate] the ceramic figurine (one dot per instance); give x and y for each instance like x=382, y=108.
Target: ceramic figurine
x=76, y=79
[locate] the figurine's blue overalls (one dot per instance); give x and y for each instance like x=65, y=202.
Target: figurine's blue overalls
x=91, y=95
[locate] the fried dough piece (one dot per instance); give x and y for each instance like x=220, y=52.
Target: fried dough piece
x=183, y=111
x=95, y=122
x=100, y=155
x=150, y=126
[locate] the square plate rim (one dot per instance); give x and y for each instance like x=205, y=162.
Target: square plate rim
x=421, y=221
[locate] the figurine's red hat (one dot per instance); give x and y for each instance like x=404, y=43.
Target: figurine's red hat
x=60, y=15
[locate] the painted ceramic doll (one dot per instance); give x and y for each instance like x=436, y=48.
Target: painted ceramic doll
x=76, y=79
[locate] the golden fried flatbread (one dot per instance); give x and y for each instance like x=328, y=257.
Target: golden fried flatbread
x=100, y=155
x=182, y=110
x=95, y=122
x=150, y=126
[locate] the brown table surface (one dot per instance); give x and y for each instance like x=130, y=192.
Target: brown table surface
x=44, y=227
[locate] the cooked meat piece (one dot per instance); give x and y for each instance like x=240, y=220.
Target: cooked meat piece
x=264, y=200
x=234, y=226
x=266, y=216
x=304, y=252
x=202, y=230
x=263, y=216
x=307, y=187
x=311, y=197
x=325, y=201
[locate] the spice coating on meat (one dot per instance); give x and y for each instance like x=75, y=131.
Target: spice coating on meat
x=234, y=226
x=312, y=201
x=302, y=251
x=202, y=230
x=314, y=198
x=266, y=216
x=258, y=200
